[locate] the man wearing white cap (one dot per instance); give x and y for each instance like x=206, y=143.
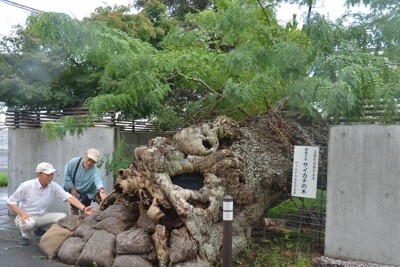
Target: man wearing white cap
x=31, y=200
x=82, y=178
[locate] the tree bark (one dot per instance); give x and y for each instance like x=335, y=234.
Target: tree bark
x=179, y=183
x=251, y=162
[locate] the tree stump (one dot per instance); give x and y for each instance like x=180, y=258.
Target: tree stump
x=172, y=193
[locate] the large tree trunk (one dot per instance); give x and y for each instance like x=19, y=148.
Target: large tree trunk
x=178, y=184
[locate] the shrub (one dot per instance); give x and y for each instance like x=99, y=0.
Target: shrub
x=3, y=179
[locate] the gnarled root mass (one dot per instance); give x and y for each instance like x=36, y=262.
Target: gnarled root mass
x=166, y=208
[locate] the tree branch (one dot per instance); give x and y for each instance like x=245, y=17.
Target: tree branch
x=177, y=74
x=265, y=13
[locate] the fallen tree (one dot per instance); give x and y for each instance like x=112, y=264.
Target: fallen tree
x=166, y=207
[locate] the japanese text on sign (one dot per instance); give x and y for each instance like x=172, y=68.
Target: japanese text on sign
x=305, y=171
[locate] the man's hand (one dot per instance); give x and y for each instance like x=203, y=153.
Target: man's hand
x=88, y=210
x=102, y=193
x=24, y=217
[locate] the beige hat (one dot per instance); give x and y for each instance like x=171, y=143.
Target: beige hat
x=93, y=154
x=45, y=167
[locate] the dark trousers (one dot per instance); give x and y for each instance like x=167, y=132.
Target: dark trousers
x=83, y=198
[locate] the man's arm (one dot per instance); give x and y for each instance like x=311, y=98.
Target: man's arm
x=65, y=196
x=12, y=202
x=19, y=211
x=98, y=181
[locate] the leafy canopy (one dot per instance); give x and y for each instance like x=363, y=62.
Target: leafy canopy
x=228, y=58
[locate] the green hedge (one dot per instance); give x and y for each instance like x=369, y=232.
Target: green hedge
x=3, y=179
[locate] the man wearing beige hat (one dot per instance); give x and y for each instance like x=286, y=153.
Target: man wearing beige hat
x=31, y=201
x=82, y=178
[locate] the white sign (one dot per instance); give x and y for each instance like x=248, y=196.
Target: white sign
x=305, y=171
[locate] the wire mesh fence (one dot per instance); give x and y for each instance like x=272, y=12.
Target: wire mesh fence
x=301, y=219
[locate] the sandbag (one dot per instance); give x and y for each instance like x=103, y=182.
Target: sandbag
x=91, y=219
x=193, y=263
x=85, y=231
x=134, y=241
x=182, y=246
x=119, y=211
x=52, y=240
x=150, y=257
x=130, y=261
x=98, y=249
x=70, y=222
x=146, y=223
x=112, y=225
x=71, y=250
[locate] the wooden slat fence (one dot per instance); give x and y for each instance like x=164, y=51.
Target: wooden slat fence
x=35, y=119
x=376, y=113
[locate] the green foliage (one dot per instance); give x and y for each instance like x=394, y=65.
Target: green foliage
x=231, y=58
x=3, y=179
x=40, y=257
x=119, y=159
x=377, y=28
x=168, y=118
x=150, y=25
x=66, y=125
x=323, y=35
x=179, y=8
x=229, y=61
x=293, y=205
x=290, y=59
x=343, y=83
x=276, y=252
x=31, y=78
x=236, y=23
x=124, y=66
x=294, y=248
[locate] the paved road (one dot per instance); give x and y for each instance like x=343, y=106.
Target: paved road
x=3, y=138
x=3, y=148
x=12, y=254
x=3, y=160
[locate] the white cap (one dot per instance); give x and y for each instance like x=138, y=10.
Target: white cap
x=93, y=154
x=45, y=167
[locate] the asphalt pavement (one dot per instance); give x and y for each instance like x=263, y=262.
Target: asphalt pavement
x=14, y=255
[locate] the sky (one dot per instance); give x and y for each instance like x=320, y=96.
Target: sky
x=10, y=15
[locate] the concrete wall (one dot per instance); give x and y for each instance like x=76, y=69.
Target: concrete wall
x=28, y=147
x=133, y=140
x=364, y=194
